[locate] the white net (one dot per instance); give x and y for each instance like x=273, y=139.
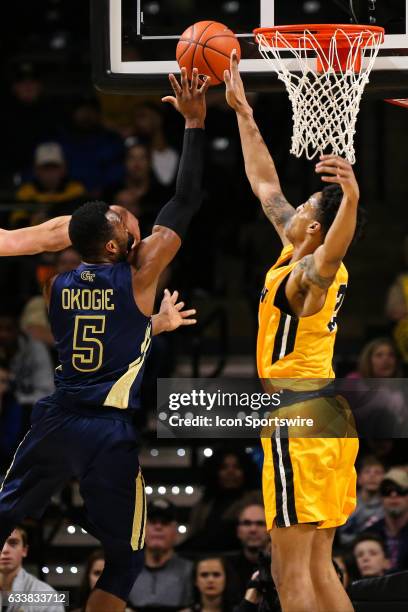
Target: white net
x=325, y=103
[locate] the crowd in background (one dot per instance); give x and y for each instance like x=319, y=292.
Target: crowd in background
x=60, y=155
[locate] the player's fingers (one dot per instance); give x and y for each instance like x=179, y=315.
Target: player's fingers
x=170, y=100
x=234, y=61
x=335, y=169
x=189, y=322
x=333, y=163
x=227, y=77
x=334, y=160
x=179, y=306
x=194, y=80
x=330, y=179
x=166, y=293
x=175, y=84
x=184, y=80
x=188, y=313
x=206, y=83
x=174, y=297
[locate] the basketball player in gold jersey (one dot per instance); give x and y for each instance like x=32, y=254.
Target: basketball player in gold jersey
x=49, y=236
x=309, y=484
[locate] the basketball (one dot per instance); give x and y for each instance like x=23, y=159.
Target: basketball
x=207, y=46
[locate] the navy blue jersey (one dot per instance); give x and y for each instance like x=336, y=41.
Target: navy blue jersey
x=101, y=336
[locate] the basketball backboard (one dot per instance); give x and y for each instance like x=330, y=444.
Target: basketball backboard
x=134, y=41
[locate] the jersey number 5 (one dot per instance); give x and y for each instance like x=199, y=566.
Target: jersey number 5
x=87, y=353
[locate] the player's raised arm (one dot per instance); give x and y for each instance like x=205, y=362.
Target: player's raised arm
x=49, y=236
x=327, y=258
x=259, y=165
x=156, y=251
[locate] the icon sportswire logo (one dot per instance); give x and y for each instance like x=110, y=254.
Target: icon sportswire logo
x=86, y=275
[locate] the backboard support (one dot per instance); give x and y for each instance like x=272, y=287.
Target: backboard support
x=134, y=41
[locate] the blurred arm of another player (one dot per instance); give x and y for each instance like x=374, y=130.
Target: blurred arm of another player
x=259, y=166
x=171, y=315
x=320, y=268
x=49, y=236
x=154, y=253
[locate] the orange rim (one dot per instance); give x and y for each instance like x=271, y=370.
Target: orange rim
x=322, y=32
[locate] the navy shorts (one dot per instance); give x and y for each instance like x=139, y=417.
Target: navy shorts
x=99, y=447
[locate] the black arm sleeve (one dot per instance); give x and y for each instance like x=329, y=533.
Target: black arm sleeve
x=179, y=211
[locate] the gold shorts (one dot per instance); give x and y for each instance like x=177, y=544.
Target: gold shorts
x=310, y=480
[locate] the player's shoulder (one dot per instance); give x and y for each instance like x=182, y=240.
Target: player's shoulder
x=342, y=273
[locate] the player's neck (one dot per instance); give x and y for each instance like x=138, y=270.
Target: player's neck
x=96, y=262
x=307, y=247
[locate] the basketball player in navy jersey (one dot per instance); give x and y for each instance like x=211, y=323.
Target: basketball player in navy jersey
x=100, y=316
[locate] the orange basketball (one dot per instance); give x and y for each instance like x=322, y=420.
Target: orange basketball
x=207, y=46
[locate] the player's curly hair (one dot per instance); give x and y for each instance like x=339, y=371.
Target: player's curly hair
x=332, y=196
x=89, y=229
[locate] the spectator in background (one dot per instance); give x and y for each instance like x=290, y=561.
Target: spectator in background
x=147, y=195
x=393, y=528
x=213, y=586
x=254, y=538
x=11, y=420
x=30, y=362
x=94, y=153
x=380, y=407
x=370, y=555
x=51, y=186
x=378, y=359
x=93, y=569
x=14, y=578
x=342, y=563
x=34, y=319
x=148, y=128
x=27, y=119
x=396, y=307
x=230, y=478
x=369, y=503
x=165, y=581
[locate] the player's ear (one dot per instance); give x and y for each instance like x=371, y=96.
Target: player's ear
x=112, y=247
x=314, y=227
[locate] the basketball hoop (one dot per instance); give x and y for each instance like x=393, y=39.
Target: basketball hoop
x=329, y=67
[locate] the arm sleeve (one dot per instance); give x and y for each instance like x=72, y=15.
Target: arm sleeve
x=179, y=211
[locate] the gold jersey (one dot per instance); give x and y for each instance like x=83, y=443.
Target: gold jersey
x=292, y=347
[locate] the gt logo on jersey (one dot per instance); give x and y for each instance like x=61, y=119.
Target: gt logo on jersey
x=86, y=275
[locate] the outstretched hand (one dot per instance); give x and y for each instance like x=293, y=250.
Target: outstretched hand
x=189, y=98
x=235, y=92
x=335, y=169
x=173, y=312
